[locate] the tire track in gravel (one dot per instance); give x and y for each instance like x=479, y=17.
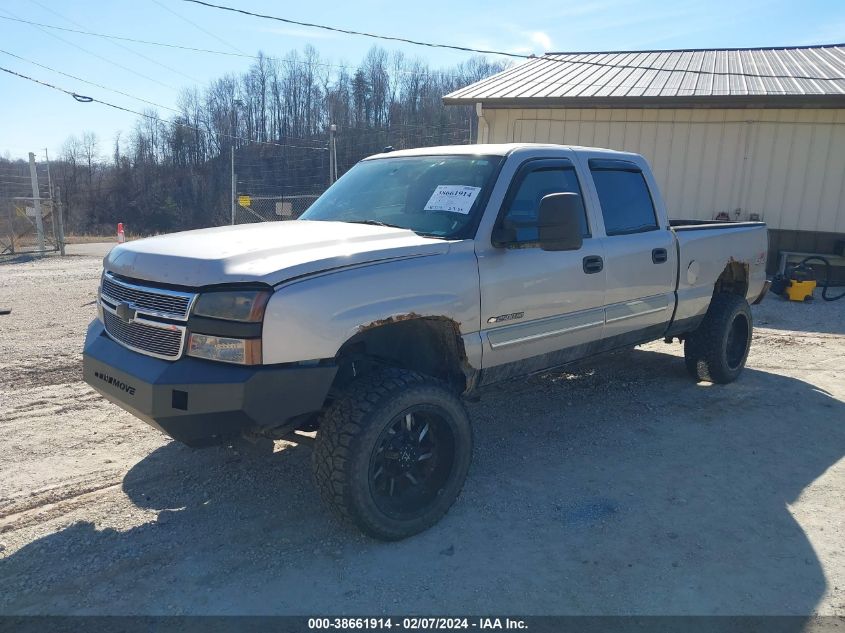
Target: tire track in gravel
x=53, y=495
x=49, y=503
x=46, y=511
x=55, y=404
x=41, y=372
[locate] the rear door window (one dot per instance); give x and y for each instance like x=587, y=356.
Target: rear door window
x=626, y=203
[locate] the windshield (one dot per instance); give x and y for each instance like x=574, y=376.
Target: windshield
x=437, y=196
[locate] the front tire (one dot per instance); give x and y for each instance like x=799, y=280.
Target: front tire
x=718, y=349
x=393, y=453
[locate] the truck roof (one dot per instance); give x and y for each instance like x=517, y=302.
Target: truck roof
x=492, y=149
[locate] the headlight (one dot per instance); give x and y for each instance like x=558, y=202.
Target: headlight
x=228, y=350
x=234, y=305
x=228, y=342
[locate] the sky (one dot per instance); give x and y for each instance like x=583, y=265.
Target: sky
x=33, y=117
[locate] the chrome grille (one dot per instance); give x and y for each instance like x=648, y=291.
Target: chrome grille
x=154, y=339
x=140, y=328
x=169, y=304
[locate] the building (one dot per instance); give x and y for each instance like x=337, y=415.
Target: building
x=742, y=133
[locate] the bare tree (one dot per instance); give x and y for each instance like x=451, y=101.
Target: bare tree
x=169, y=174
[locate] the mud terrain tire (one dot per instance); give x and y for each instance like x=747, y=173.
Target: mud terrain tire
x=393, y=452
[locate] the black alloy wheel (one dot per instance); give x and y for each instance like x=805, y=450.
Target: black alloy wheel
x=412, y=462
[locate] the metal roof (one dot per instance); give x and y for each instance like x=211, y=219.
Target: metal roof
x=811, y=74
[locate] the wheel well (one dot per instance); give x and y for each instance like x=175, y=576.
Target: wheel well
x=429, y=345
x=733, y=280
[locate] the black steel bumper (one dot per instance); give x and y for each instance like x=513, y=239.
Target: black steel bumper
x=199, y=402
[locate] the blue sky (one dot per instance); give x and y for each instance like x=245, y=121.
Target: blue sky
x=33, y=117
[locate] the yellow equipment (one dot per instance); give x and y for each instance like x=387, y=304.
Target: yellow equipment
x=800, y=290
x=798, y=282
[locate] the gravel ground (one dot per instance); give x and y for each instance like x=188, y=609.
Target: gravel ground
x=617, y=487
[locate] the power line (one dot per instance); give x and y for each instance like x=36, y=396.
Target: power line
x=467, y=49
x=91, y=83
x=194, y=49
x=198, y=27
x=335, y=29
x=120, y=92
x=126, y=39
x=85, y=50
x=126, y=48
x=346, y=67
x=87, y=99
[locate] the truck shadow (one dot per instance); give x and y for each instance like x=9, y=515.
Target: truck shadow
x=619, y=487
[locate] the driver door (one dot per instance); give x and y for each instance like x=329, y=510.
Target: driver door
x=539, y=308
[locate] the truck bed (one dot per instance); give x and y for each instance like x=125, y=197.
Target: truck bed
x=705, y=249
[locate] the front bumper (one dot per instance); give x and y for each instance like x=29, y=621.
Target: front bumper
x=200, y=402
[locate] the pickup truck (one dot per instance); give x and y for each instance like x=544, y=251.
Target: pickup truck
x=417, y=279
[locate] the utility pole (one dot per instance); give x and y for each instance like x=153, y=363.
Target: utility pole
x=55, y=211
x=332, y=154
x=234, y=184
x=60, y=221
x=235, y=105
x=49, y=180
x=36, y=201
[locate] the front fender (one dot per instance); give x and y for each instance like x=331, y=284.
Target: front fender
x=312, y=318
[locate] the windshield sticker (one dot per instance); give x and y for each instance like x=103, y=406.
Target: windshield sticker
x=454, y=198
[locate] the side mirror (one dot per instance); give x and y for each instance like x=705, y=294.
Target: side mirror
x=559, y=222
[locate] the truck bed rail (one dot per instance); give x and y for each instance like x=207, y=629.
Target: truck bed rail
x=700, y=225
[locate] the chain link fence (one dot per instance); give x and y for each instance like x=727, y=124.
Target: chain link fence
x=271, y=208
x=20, y=218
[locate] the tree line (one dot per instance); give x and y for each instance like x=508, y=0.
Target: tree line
x=173, y=173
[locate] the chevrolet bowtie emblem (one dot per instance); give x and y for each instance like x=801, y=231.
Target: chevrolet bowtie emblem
x=125, y=312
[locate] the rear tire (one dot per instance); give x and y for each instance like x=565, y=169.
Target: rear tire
x=393, y=452
x=718, y=349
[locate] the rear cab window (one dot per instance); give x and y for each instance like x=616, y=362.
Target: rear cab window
x=626, y=203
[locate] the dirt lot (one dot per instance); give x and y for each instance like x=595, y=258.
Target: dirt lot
x=618, y=487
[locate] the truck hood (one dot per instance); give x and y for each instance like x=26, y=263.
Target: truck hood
x=267, y=252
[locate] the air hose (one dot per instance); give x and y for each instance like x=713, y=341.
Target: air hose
x=826, y=285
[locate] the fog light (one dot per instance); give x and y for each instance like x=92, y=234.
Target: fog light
x=224, y=349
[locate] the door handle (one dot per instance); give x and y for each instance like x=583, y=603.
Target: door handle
x=593, y=264
x=659, y=255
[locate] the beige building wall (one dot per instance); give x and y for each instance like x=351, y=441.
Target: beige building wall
x=786, y=166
